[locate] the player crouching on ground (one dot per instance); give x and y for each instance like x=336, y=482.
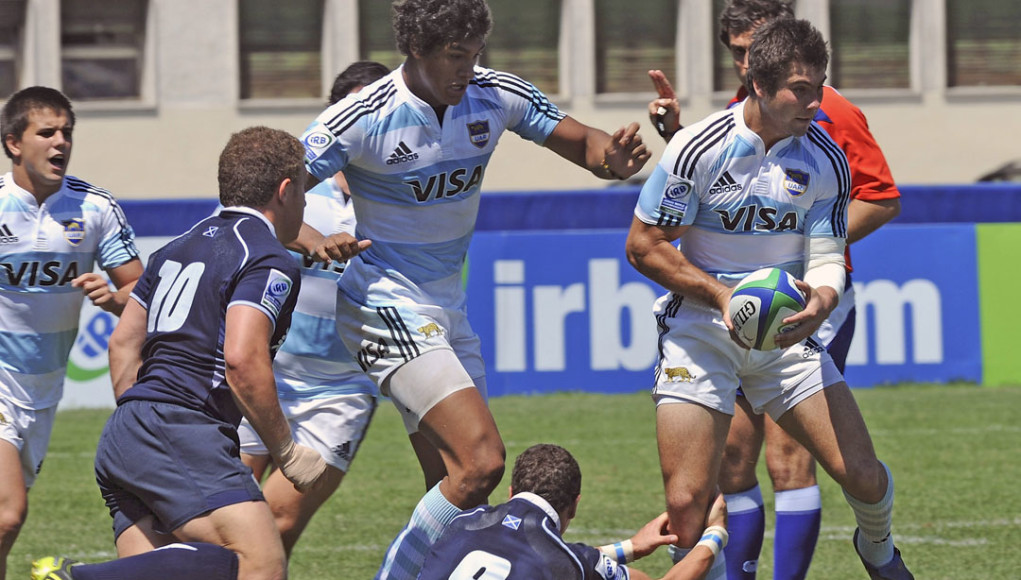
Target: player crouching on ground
x=521, y=539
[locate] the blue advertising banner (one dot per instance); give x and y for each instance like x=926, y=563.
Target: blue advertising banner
x=918, y=306
x=565, y=311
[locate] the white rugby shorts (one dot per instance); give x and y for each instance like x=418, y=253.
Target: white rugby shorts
x=333, y=426
x=29, y=431
x=700, y=363
x=387, y=321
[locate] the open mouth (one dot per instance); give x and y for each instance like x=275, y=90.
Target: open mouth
x=58, y=162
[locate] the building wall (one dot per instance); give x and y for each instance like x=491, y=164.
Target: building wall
x=166, y=143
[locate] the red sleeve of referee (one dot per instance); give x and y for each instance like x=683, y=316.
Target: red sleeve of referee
x=871, y=179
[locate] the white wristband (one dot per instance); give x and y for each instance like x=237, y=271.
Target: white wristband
x=622, y=552
x=715, y=538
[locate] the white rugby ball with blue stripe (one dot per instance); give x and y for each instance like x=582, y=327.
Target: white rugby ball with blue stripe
x=760, y=303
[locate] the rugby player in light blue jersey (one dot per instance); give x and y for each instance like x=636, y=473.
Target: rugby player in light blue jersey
x=786, y=208
x=53, y=229
x=327, y=398
x=414, y=148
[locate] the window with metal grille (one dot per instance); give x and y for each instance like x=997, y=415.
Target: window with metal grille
x=11, y=27
x=376, y=35
x=524, y=39
x=631, y=39
x=101, y=47
x=983, y=43
x=869, y=41
x=281, y=49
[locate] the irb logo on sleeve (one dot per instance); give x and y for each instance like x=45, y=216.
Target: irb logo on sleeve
x=278, y=288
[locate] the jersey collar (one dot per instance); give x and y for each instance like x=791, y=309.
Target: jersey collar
x=252, y=212
x=541, y=503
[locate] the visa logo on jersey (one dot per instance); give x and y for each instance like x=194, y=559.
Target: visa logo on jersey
x=35, y=273
x=754, y=218
x=446, y=184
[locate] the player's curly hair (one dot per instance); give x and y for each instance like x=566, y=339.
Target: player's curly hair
x=550, y=472
x=14, y=117
x=422, y=26
x=740, y=16
x=777, y=45
x=254, y=162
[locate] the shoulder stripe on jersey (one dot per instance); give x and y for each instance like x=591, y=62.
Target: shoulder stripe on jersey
x=551, y=530
x=374, y=101
x=515, y=85
x=668, y=220
x=241, y=240
x=684, y=166
x=839, y=162
x=75, y=184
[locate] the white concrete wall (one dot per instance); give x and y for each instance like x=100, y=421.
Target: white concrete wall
x=166, y=144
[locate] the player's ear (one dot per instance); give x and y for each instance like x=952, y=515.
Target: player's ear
x=572, y=511
x=13, y=144
x=282, y=189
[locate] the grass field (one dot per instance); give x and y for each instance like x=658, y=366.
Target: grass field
x=954, y=451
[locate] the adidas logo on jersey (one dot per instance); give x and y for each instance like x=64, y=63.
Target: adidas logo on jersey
x=402, y=154
x=7, y=236
x=725, y=184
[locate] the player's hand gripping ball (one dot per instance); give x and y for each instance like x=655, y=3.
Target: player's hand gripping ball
x=760, y=303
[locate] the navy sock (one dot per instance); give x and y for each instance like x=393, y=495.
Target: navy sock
x=185, y=561
x=746, y=523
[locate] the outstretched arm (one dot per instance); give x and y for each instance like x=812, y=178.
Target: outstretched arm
x=696, y=564
x=617, y=156
x=96, y=289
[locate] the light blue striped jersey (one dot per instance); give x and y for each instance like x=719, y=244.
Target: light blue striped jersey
x=748, y=208
x=42, y=249
x=313, y=362
x=415, y=180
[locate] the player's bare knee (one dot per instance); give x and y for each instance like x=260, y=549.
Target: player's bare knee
x=791, y=473
x=737, y=473
x=687, y=515
x=482, y=476
x=11, y=520
x=865, y=481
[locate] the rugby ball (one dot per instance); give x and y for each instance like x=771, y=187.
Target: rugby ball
x=760, y=303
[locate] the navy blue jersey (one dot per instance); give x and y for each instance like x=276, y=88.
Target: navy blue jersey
x=518, y=540
x=229, y=259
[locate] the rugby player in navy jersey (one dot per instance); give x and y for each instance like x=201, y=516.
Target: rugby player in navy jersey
x=521, y=539
x=53, y=229
x=192, y=354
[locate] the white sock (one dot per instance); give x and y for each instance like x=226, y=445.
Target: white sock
x=875, y=521
x=718, y=571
